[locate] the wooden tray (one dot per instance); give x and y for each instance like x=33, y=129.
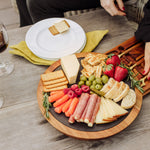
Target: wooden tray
x=134, y=55
x=75, y=130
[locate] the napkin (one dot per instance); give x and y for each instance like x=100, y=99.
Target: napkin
x=21, y=49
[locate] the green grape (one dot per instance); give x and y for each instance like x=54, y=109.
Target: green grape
x=105, y=79
x=83, y=78
x=92, y=78
x=99, y=80
x=81, y=83
x=94, y=82
x=88, y=83
x=92, y=87
x=98, y=86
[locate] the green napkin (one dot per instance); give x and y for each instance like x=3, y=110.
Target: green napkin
x=21, y=49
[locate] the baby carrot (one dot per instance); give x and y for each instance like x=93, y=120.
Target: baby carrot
x=66, y=106
x=72, y=107
x=55, y=97
x=61, y=100
x=58, y=109
x=55, y=92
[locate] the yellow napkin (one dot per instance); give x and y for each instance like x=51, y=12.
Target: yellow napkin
x=21, y=49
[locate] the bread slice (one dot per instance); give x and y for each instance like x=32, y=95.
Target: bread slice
x=122, y=94
x=59, y=27
x=113, y=90
x=119, y=90
x=129, y=100
x=108, y=85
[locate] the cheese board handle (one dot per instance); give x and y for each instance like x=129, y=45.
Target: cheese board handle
x=128, y=50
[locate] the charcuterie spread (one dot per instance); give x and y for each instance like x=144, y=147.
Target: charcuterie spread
x=92, y=90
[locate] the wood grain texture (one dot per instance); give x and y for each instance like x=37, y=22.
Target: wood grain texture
x=84, y=134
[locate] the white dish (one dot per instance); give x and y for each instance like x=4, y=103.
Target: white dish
x=47, y=46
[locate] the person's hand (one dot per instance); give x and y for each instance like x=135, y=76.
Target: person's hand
x=112, y=8
x=147, y=60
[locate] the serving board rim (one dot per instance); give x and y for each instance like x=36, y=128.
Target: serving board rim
x=85, y=134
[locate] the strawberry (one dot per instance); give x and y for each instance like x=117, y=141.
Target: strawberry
x=120, y=73
x=113, y=59
x=109, y=70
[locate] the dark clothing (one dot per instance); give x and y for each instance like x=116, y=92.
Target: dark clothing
x=143, y=32
x=42, y=9
x=25, y=18
x=32, y=11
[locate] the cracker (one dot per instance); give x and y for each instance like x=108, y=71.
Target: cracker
x=56, y=85
x=98, y=71
x=52, y=75
x=54, y=89
x=53, y=30
x=55, y=81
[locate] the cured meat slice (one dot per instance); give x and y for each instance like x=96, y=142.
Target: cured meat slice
x=91, y=106
x=81, y=105
x=90, y=124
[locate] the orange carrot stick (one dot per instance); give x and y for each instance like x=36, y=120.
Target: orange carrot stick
x=61, y=100
x=59, y=108
x=55, y=92
x=72, y=107
x=55, y=97
x=66, y=106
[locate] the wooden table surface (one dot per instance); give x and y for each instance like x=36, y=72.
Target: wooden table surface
x=22, y=126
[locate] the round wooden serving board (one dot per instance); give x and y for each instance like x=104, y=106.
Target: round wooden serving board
x=80, y=130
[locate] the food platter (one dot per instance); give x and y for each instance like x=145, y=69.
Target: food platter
x=79, y=130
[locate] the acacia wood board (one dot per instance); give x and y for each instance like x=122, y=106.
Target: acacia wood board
x=80, y=130
x=134, y=56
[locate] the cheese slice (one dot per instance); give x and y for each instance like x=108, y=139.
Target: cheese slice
x=62, y=26
x=99, y=116
x=70, y=66
x=119, y=111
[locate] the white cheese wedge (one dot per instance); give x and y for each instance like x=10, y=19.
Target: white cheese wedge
x=70, y=66
x=99, y=116
x=119, y=111
x=109, y=111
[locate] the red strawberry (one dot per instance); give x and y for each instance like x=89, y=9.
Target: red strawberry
x=109, y=70
x=113, y=59
x=120, y=73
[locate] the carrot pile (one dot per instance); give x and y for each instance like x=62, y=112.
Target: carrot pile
x=62, y=103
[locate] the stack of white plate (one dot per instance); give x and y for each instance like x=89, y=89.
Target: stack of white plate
x=47, y=46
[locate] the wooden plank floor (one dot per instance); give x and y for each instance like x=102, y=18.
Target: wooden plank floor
x=8, y=15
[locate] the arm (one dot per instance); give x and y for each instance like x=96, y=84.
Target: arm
x=147, y=60
x=143, y=33
x=112, y=8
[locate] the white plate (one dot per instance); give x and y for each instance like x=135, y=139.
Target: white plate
x=47, y=46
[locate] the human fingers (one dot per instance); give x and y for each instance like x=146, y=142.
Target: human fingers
x=115, y=11
x=147, y=60
x=120, y=5
x=111, y=8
